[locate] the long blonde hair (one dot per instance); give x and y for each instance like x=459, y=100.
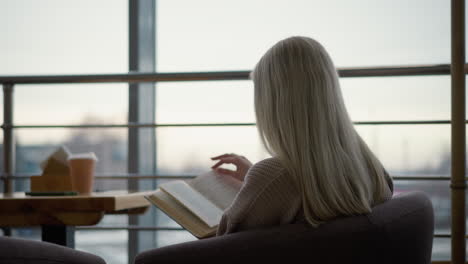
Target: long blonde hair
x=302, y=120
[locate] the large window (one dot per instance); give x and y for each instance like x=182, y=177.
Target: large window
x=56, y=37
x=208, y=35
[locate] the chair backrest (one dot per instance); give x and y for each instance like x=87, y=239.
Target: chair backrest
x=17, y=250
x=398, y=231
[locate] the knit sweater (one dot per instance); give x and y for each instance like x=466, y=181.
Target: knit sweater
x=268, y=197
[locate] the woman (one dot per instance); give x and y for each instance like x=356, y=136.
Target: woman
x=321, y=168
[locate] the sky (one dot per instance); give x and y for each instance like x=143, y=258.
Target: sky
x=52, y=37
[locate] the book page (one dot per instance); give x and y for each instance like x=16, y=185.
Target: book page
x=180, y=214
x=218, y=188
x=194, y=201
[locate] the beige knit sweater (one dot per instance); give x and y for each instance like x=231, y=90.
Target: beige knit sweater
x=268, y=197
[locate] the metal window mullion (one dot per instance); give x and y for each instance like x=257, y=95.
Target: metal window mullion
x=151, y=76
x=458, y=183
x=132, y=160
x=187, y=177
x=135, y=93
x=8, y=138
x=141, y=144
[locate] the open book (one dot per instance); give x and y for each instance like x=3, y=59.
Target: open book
x=197, y=204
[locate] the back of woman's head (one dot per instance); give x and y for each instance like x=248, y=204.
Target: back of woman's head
x=302, y=119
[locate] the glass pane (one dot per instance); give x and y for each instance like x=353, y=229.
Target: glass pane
x=397, y=98
x=439, y=193
x=166, y=238
x=367, y=99
x=356, y=33
x=188, y=150
x=165, y=221
x=68, y=104
x=402, y=149
x=32, y=233
x=205, y=102
x=102, y=185
x=35, y=145
x=63, y=37
x=441, y=249
x=410, y=149
x=114, y=220
x=110, y=245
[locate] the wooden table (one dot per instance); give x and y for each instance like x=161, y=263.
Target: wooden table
x=58, y=215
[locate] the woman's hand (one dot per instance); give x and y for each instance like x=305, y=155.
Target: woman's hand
x=242, y=165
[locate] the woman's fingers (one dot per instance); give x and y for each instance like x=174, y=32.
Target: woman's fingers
x=219, y=163
x=220, y=156
x=227, y=160
x=223, y=156
x=242, y=165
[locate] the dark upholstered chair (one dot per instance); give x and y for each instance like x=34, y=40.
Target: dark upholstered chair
x=21, y=251
x=398, y=231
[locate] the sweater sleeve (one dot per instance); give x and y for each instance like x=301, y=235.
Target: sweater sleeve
x=268, y=197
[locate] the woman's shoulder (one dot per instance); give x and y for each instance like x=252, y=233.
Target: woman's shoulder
x=267, y=169
x=272, y=164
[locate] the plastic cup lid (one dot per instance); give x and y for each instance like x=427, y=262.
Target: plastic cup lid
x=87, y=155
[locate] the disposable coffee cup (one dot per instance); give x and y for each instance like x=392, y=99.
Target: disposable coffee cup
x=82, y=171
